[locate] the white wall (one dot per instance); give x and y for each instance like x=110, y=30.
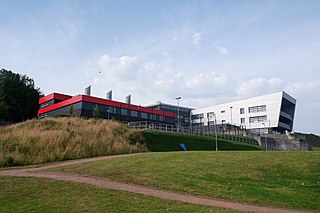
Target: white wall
x=273, y=106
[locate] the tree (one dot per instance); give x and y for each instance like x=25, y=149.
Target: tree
x=95, y=112
x=18, y=97
x=71, y=110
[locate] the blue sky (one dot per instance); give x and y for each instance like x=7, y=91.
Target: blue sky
x=208, y=52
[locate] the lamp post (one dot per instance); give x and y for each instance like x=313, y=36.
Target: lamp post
x=215, y=127
x=231, y=115
x=215, y=130
x=265, y=138
x=178, y=98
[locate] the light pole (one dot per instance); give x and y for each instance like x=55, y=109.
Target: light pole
x=265, y=138
x=215, y=127
x=178, y=98
x=215, y=130
x=231, y=114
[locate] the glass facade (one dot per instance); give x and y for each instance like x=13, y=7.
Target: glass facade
x=184, y=112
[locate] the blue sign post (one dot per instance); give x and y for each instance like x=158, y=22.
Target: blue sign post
x=183, y=147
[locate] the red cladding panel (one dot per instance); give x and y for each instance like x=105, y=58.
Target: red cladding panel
x=169, y=114
x=147, y=110
x=54, y=96
x=71, y=100
x=60, y=105
x=100, y=101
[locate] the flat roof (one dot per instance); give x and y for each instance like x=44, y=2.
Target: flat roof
x=85, y=98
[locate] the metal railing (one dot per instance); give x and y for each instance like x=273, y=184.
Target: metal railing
x=236, y=135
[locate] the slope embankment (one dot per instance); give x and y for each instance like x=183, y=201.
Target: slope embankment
x=58, y=139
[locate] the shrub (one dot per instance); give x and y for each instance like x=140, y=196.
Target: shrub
x=8, y=161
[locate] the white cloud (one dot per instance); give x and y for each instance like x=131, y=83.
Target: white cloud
x=158, y=79
x=223, y=50
x=259, y=86
x=201, y=80
x=122, y=67
x=196, y=39
x=304, y=87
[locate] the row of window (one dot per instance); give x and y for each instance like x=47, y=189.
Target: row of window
x=172, y=109
x=258, y=119
x=262, y=108
x=254, y=109
x=108, y=111
x=197, y=116
x=255, y=119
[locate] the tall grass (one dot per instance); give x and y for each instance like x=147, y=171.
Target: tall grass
x=56, y=139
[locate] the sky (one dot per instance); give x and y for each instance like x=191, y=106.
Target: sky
x=207, y=52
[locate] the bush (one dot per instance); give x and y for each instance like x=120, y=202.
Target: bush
x=8, y=161
x=136, y=137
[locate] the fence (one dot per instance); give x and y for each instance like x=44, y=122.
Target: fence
x=235, y=135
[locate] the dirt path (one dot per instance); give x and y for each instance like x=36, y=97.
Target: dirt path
x=104, y=183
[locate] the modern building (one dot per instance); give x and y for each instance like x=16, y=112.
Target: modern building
x=271, y=113
x=184, y=112
x=59, y=104
x=260, y=115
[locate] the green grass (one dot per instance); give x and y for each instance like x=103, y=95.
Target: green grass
x=282, y=179
x=25, y=194
x=58, y=139
x=159, y=142
x=316, y=149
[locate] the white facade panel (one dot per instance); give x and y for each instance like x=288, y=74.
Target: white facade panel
x=262, y=111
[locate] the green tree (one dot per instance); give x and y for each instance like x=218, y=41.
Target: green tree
x=71, y=110
x=19, y=99
x=95, y=112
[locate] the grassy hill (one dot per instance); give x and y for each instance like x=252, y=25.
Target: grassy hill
x=57, y=139
x=281, y=179
x=159, y=142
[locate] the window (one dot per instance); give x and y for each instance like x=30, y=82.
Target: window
x=241, y=110
x=197, y=116
x=210, y=115
x=111, y=110
x=261, y=108
x=257, y=119
x=144, y=115
x=210, y=123
x=223, y=111
x=124, y=112
x=243, y=120
x=134, y=113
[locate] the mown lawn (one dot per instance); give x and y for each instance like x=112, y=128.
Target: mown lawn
x=163, y=142
x=316, y=149
x=282, y=179
x=25, y=194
